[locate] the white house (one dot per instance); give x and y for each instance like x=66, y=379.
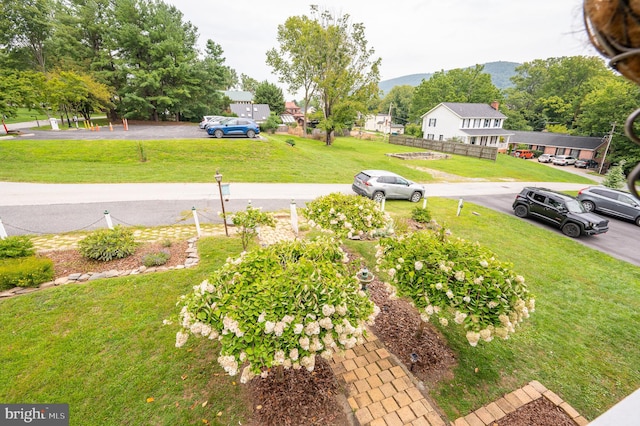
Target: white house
x=382, y=123
x=475, y=124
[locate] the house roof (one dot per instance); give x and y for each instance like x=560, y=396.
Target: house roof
x=291, y=105
x=557, y=140
x=256, y=112
x=238, y=96
x=287, y=118
x=467, y=110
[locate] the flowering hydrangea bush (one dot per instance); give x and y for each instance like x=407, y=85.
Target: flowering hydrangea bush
x=346, y=215
x=453, y=279
x=278, y=306
x=248, y=222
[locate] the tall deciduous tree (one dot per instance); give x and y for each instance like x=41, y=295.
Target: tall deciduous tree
x=27, y=25
x=399, y=101
x=458, y=85
x=268, y=93
x=248, y=84
x=348, y=76
x=295, y=61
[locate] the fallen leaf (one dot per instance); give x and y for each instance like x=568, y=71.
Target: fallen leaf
x=204, y=403
x=476, y=370
x=150, y=399
x=258, y=407
x=219, y=413
x=233, y=383
x=205, y=421
x=183, y=377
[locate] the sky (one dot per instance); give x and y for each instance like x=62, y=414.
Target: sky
x=411, y=36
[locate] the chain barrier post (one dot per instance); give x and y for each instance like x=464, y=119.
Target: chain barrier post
x=382, y=204
x=195, y=219
x=107, y=217
x=3, y=233
x=294, y=217
x=460, y=205
x=424, y=203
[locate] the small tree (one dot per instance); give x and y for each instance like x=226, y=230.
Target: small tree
x=248, y=222
x=615, y=177
x=279, y=307
x=455, y=279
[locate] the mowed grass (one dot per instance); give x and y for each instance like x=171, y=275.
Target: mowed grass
x=582, y=340
x=102, y=348
x=242, y=160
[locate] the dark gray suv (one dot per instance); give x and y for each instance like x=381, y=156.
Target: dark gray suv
x=610, y=202
x=560, y=210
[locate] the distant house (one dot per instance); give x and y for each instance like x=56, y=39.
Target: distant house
x=256, y=112
x=238, y=96
x=382, y=123
x=475, y=124
x=584, y=147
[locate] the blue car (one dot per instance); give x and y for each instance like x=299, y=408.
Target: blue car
x=234, y=126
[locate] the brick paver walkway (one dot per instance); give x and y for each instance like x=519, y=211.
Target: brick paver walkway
x=381, y=391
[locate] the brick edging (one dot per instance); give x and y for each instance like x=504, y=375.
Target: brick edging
x=486, y=415
x=191, y=260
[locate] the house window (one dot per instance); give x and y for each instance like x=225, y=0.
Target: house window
x=476, y=123
x=473, y=140
x=496, y=122
x=430, y=137
x=432, y=122
x=441, y=137
x=483, y=141
x=575, y=153
x=466, y=123
x=487, y=122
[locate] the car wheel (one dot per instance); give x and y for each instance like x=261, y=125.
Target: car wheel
x=521, y=211
x=588, y=206
x=378, y=196
x=415, y=197
x=251, y=134
x=218, y=134
x=571, y=230
x=637, y=221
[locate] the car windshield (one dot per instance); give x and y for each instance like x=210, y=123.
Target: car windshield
x=575, y=206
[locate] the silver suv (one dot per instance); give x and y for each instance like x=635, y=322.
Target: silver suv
x=610, y=202
x=381, y=184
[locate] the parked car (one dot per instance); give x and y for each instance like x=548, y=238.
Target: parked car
x=234, y=126
x=205, y=120
x=563, y=160
x=560, y=210
x=546, y=158
x=523, y=153
x=381, y=184
x=586, y=164
x=611, y=202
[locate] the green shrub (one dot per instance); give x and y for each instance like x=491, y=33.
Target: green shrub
x=290, y=142
x=108, y=244
x=421, y=215
x=25, y=272
x=155, y=259
x=17, y=246
x=167, y=243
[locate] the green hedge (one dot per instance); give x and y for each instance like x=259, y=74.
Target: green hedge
x=25, y=272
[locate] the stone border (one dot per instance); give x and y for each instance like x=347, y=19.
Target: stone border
x=191, y=261
x=485, y=416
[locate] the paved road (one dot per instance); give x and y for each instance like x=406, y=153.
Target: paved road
x=622, y=241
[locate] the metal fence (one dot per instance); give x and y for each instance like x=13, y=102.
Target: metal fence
x=486, y=152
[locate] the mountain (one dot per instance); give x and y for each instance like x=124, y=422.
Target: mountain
x=500, y=72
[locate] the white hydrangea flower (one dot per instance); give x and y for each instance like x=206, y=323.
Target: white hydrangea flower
x=473, y=337
x=312, y=328
x=297, y=329
x=439, y=286
x=424, y=317
x=520, y=279
x=205, y=330
x=262, y=317
x=459, y=317
x=269, y=326
x=181, y=339
x=278, y=357
x=304, y=343
x=326, y=323
x=418, y=265
x=449, y=294
x=443, y=321
x=229, y=364
x=278, y=329
x=429, y=310
x=484, y=263
x=467, y=299
x=341, y=310
x=328, y=310
x=246, y=375
x=459, y=275
x=485, y=334
x=293, y=354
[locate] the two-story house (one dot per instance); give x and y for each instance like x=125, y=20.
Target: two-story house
x=381, y=122
x=475, y=124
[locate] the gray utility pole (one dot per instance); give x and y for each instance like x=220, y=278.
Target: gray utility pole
x=609, y=137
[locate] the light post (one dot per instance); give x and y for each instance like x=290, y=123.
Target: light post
x=218, y=177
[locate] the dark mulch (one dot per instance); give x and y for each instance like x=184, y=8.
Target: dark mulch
x=299, y=398
x=540, y=412
x=67, y=262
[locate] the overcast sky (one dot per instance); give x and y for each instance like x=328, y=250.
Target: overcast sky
x=411, y=36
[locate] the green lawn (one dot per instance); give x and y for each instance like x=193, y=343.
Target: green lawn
x=101, y=346
x=241, y=160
